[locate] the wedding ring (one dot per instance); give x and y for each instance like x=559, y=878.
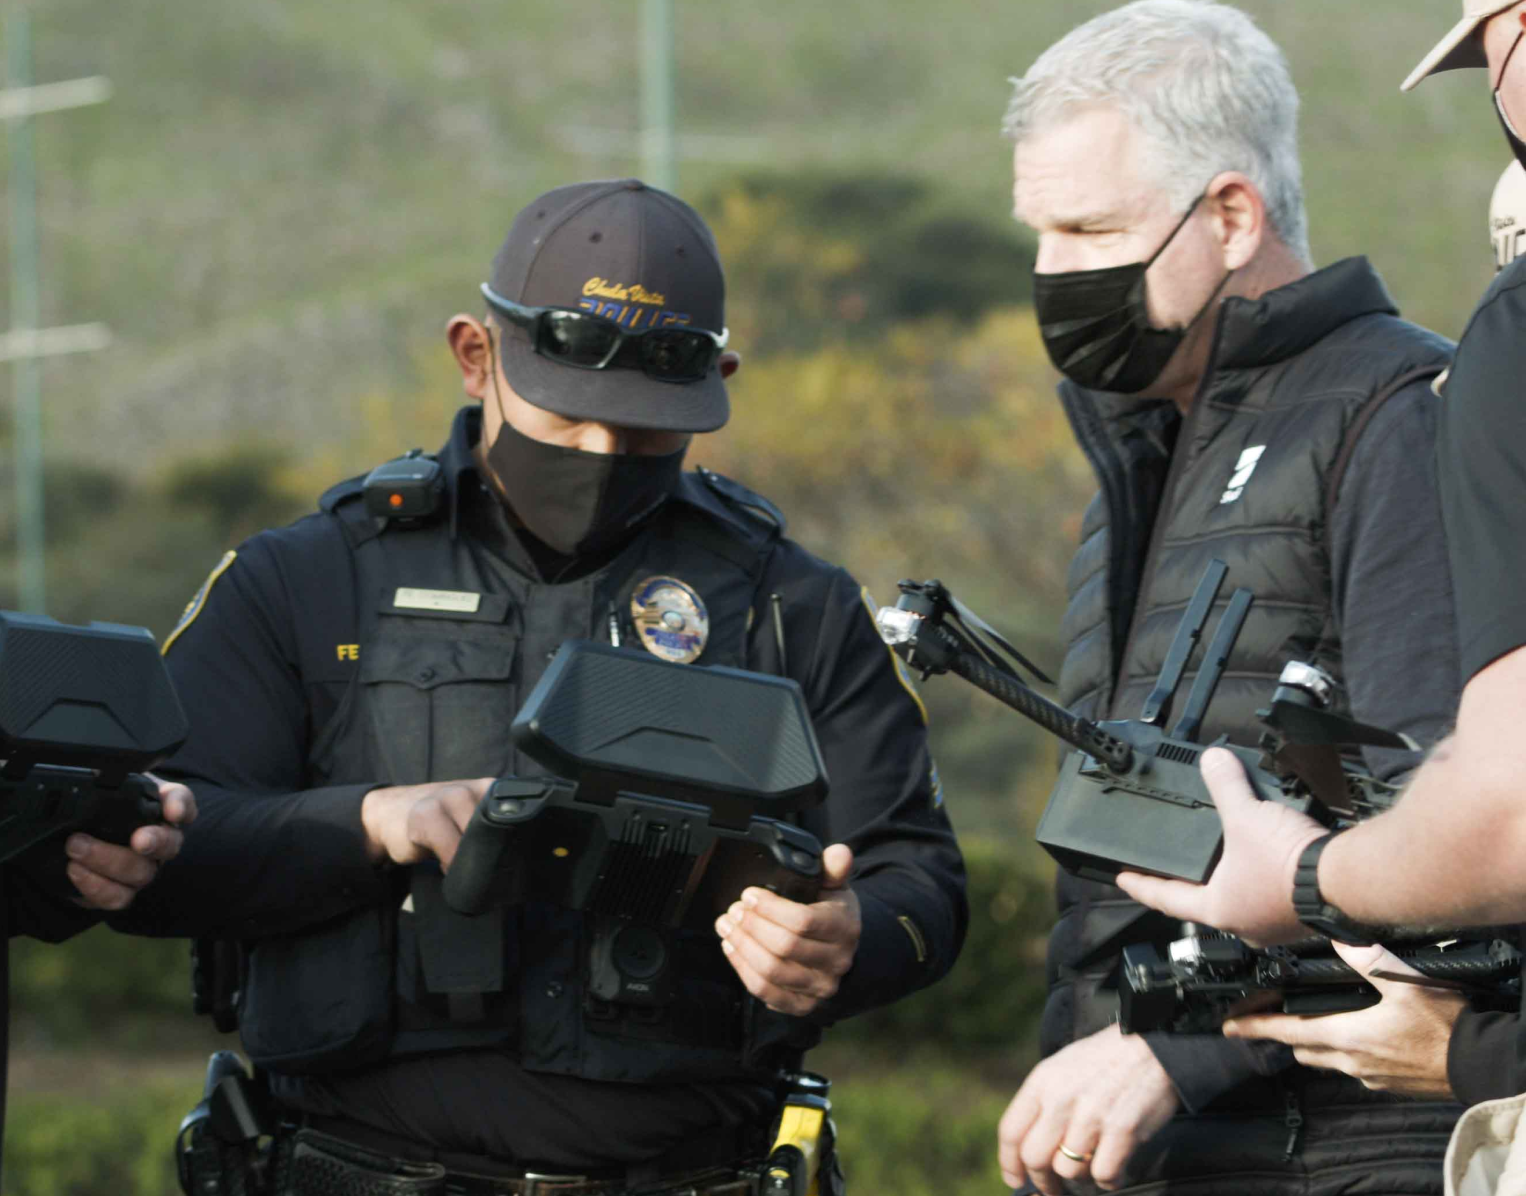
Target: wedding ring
x=1075, y=1156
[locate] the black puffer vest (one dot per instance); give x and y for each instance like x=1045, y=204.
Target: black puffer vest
x=432, y=699
x=1249, y=476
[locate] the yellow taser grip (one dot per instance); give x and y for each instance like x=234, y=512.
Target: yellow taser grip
x=800, y=1130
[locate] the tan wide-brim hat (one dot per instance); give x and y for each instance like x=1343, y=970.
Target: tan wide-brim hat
x=1460, y=48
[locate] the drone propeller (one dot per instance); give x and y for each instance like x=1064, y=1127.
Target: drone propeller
x=1306, y=725
x=973, y=624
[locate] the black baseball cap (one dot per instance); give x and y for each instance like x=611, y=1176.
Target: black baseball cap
x=633, y=254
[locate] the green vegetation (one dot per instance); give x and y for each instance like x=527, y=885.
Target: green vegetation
x=119, y=1140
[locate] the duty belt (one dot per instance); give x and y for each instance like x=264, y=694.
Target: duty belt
x=309, y=1163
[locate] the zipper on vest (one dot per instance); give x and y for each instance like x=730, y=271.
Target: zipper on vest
x=1157, y=533
x=1292, y=1118
x=1103, y=458
x=1179, y=455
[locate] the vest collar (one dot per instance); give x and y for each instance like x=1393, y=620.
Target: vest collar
x=1286, y=322
x=457, y=458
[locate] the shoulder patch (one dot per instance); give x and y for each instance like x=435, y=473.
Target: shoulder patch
x=198, y=600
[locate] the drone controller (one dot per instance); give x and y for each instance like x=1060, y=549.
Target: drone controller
x=83, y=711
x=1132, y=795
x=667, y=800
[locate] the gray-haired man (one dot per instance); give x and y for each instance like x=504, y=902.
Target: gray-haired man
x=1236, y=404
x=1463, y=808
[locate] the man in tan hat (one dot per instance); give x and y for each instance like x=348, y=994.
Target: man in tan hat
x=1466, y=44
x=1465, y=805
x=1507, y=216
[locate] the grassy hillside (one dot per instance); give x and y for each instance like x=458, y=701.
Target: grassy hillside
x=284, y=199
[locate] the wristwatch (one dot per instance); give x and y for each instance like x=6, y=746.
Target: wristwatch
x=1312, y=908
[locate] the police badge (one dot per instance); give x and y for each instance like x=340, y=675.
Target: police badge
x=671, y=620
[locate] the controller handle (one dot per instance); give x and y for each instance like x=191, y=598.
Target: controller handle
x=468, y=885
x=110, y=815
x=479, y=876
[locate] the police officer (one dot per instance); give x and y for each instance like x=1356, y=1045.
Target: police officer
x=351, y=681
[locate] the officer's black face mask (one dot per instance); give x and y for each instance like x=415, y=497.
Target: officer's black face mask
x=1096, y=324
x=1517, y=143
x=577, y=503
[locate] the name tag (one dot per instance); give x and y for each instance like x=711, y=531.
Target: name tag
x=454, y=601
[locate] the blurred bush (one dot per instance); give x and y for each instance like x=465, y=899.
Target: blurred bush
x=989, y=1004
x=129, y=549
x=99, y=986
x=923, y=1131
x=815, y=258
x=118, y=1142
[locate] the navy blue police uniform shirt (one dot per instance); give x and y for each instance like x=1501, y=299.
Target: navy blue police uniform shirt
x=271, y=855
x=1481, y=470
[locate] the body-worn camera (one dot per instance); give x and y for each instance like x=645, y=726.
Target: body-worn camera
x=669, y=788
x=83, y=711
x=407, y=488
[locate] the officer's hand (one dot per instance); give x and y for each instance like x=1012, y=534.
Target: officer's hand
x=108, y=876
x=793, y=956
x=1398, y=1045
x=407, y=823
x=1100, y=1097
x=1251, y=890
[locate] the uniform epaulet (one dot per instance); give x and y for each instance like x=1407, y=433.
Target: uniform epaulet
x=341, y=492
x=340, y=502
x=748, y=502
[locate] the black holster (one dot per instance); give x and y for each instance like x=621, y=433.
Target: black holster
x=218, y=1151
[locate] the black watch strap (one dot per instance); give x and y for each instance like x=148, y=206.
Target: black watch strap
x=1312, y=908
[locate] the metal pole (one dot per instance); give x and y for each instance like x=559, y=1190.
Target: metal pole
x=657, y=156
x=26, y=370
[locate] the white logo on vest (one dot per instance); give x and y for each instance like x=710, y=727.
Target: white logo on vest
x=1243, y=469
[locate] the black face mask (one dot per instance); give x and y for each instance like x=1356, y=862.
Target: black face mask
x=1096, y=324
x=578, y=503
x=1517, y=144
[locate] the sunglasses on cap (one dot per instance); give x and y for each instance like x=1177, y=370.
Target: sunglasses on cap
x=589, y=342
